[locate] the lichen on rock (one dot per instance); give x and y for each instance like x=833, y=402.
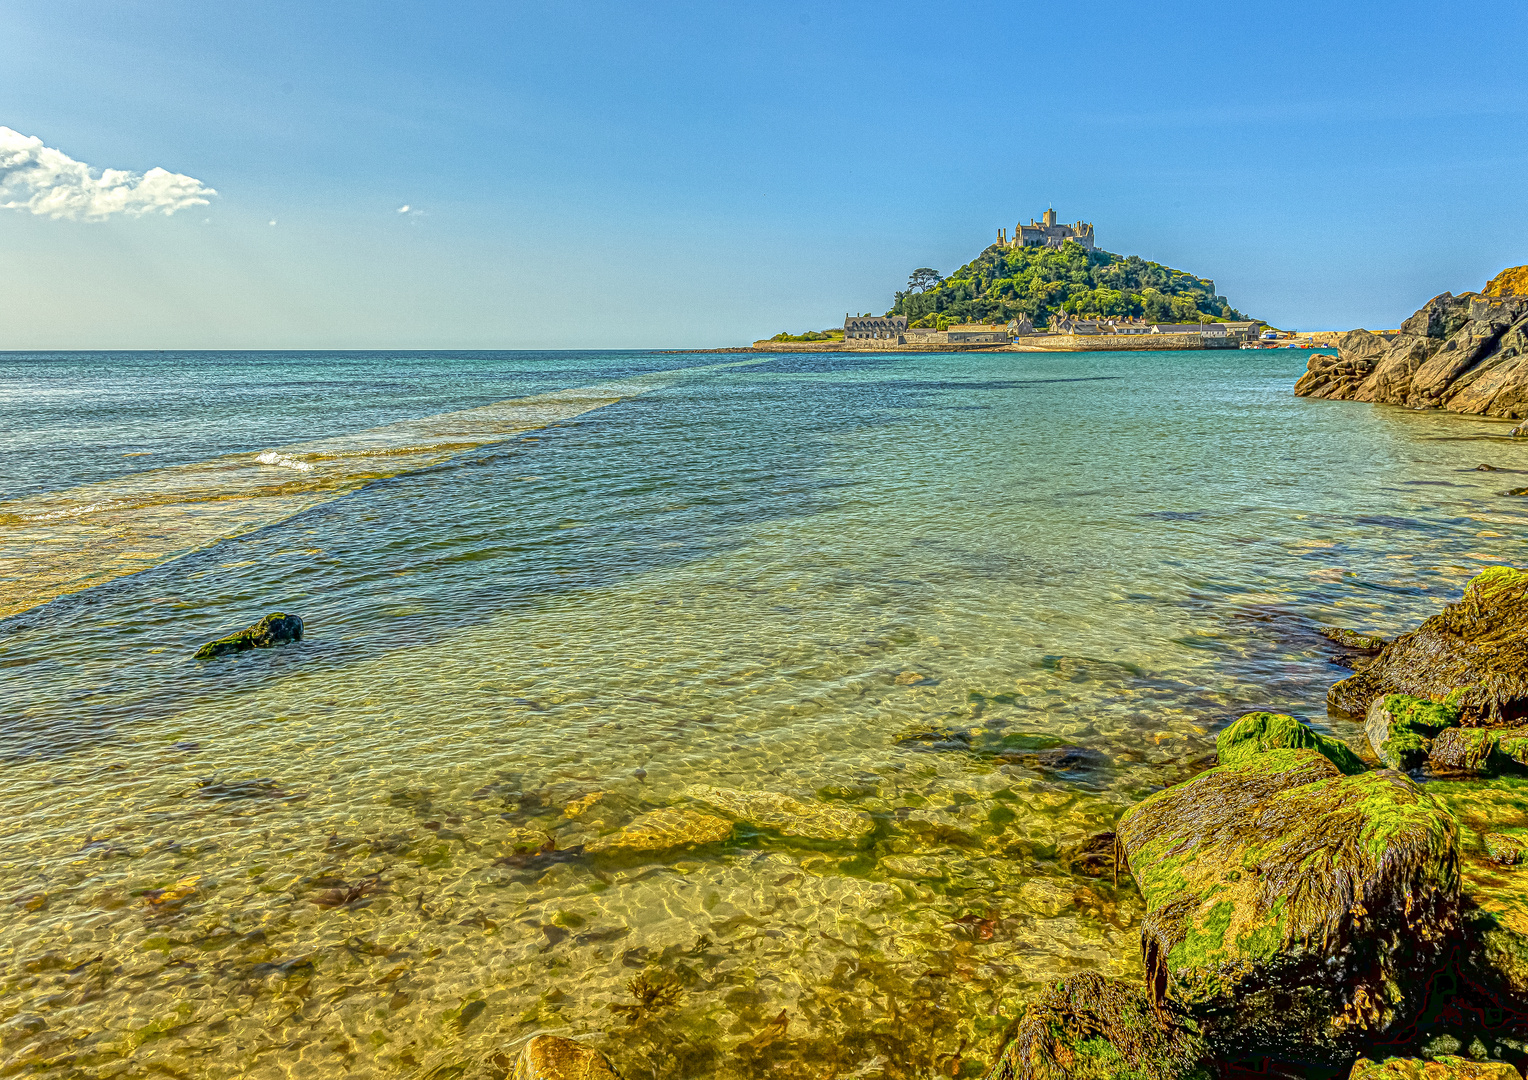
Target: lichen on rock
x=1088, y=1027
x=1292, y=909
x=275, y=629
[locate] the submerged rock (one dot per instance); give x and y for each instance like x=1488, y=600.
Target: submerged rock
x=1292, y=910
x=546, y=1057
x=785, y=815
x=1474, y=653
x=1401, y=728
x=1504, y=850
x=1088, y=1027
x=1348, y=639
x=1442, y=1067
x=660, y=830
x=1260, y=731
x=274, y=629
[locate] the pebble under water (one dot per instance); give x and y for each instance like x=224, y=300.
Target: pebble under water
x=963, y=609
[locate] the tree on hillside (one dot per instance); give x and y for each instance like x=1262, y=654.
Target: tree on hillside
x=923, y=279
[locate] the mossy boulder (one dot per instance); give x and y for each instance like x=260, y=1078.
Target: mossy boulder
x=546, y=1057
x=1401, y=728
x=1088, y=1027
x=1474, y=652
x=1291, y=909
x=1442, y=1067
x=1350, y=639
x=1261, y=731
x=275, y=629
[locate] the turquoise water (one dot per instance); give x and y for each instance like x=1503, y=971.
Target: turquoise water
x=980, y=603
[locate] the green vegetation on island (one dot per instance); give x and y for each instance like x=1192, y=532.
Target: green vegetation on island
x=1008, y=282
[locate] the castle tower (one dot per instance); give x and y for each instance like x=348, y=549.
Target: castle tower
x=1049, y=217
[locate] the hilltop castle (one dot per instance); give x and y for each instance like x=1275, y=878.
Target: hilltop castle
x=1046, y=233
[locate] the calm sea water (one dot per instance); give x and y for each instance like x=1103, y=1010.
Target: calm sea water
x=986, y=601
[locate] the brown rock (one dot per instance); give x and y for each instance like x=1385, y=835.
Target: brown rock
x=546, y=1057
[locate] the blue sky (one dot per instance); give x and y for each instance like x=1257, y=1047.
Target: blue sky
x=666, y=175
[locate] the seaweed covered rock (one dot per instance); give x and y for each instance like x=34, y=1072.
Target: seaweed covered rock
x=1474, y=653
x=1088, y=1027
x=1401, y=728
x=1350, y=639
x=275, y=629
x=546, y=1057
x=1293, y=910
x=1442, y=1067
x=1261, y=731
x=1465, y=751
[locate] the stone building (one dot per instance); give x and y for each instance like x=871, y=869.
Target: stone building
x=875, y=327
x=1048, y=233
x=961, y=334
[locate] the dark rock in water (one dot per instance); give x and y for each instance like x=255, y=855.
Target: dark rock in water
x=936, y=740
x=1440, y=1067
x=274, y=629
x=1401, y=728
x=546, y=1057
x=1483, y=467
x=1349, y=639
x=1088, y=1027
x=1474, y=653
x=1518, y=491
x=1290, y=909
x=1260, y=731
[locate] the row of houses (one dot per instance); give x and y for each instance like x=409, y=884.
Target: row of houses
x=893, y=330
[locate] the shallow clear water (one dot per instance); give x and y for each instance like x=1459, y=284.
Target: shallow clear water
x=986, y=601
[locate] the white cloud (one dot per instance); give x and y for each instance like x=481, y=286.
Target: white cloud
x=50, y=183
x=403, y=209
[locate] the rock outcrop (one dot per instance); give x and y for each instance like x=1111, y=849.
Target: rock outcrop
x=1088, y=1027
x=274, y=629
x=1466, y=353
x=1293, y=910
x=1473, y=653
x=1512, y=281
x=1260, y=731
x=1401, y=728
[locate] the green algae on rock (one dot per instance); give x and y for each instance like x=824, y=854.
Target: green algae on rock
x=1291, y=909
x=1442, y=1067
x=1401, y=728
x=1088, y=1027
x=662, y=829
x=1349, y=639
x=785, y=815
x=275, y=629
x=547, y=1057
x=1261, y=731
x=1475, y=652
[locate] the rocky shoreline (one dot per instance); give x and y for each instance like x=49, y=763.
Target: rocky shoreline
x=1309, y=911
x=1466, y=354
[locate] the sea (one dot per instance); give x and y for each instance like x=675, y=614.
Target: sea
x=975, y=604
